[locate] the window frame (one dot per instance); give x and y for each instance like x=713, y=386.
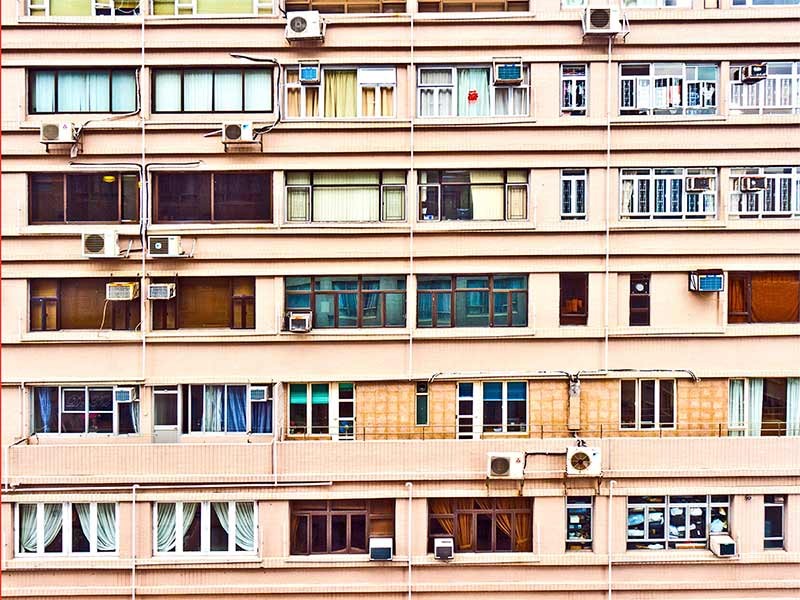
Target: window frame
x=739, y=92
x=657, y=424
x=651, y=78
x=243, y=302
x=336, y=426
x=184, y=408
x=443, y=6
x=576, y=504
x=421, y=403
x=574, y=177
x=744, y=427
x=214, y=69
x=506, y=426
x=775, y=501
x=30, y=83
x=333, y=508
x=205, y=530
x=119, y=175
x=651, y=176
x=66, y=532
x=747, y=315
x=753, y=205
x=422, y=189
x=664, y=505
x=87, y=388
x=577, y=317
x=574, y=108
x=639, y=303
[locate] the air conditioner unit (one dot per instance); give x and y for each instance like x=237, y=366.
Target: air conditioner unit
x=508, y=70
x=299, y=322
x=258, y=392
x=707, y=281
x=166, y=436
x=309, y=71
x=238, y=133
x=164, y=246
x=506, y=465
x=750, y=74
x=381, y=548
x=125, y=394
x=100, y=245
x=62, y=132
x=119, y=291
x=443, y=548
x=603, y=21
x=161, y=291
x=699, y=184
x=304, y=25
x=722, y=545
x=752, y=184
x=583, y=461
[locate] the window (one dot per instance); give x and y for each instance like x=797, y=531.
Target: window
x=82, y=8
x=764, y=2
x=479, y=300
x=322, y=409
x=469, y=92
x=773, y=521
x=647, y=404
x=764, y=297
x=339, y=526
x=422, y=404
x=212, y=90
x=446, y=6
x=342, y=93
x=348, y=6
x=82, y=91
x=668, y=89
x=639, y=306
x=574, y=302
x=574, y=89
x=668, y=193
x=66, y=528
x=212, y=7
x=85, y=409
x=660, y=522
x=213, y=197
x=350, y=301
x=205, y=527
x=83, y=198
x=657, y=3
x=779, y=93
x=482, y=524
x=764, y=407
x=222, y=408
x=345, y=196
x=473, y=195
x=492, y=407
x=573, y=194
x=579, y=522
x=778, y=196
x=207, y=302
x=57, y=304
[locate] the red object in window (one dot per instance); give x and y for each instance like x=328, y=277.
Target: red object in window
x=472, y=96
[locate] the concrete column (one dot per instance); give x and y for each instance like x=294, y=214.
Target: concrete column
x=274, y=522
x=747, y=522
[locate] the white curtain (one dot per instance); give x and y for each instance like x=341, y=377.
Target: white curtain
x=257, y=90
x=228, y=91
x=123, y=91
x=488, y=201
x=83, y=91
x=213, y=408
x=44, y=92
x=394, y=201
x=793, y=406
x=165, y=527
x=106, y=527
x=53, y=514
x=297, y=203
x=756, y=389
x=357, y=200
x=245, y=525
x=511, y=101
x=197, y=90
x=27, y=527
x=736, y=407
x=168, y=91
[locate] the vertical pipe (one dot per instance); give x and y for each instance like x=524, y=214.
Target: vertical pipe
x=411, y=193
x=410, y=487
x=608, y=205
x=143, y=206
x=133, y=540
x=609, y=533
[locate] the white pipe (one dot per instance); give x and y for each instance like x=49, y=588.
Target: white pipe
x=611, y=485
x=410, y=487
x=606, y=312
x=170, y=486
x=143, y=202
x=133, y=540
x=412, y=193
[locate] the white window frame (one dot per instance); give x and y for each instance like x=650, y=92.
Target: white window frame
x=111, y=5
x=335, y=422
x=479, y=427
x=248, y=412
x=664, y=507
x=670, y=174
x=782, y=506
x=656, y=425
x=658, y=4
x=66, y=531
x=751, y=98
x=754, y=204
x=573, y=108
x=205, y=530
x=586, y=543
x=190, y=6
x=422, y=395
x=86, y=388
x=572, y=177
x=40, y=5
x=750, y=4
x=647, y=105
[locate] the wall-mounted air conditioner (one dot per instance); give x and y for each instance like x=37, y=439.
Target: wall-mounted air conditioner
x=122, y=291
x=699, y=184
x=508, y=71
x=710, y=280
x=443, y=548
x=100, y=245
x=299, y=322
x=125, y=394
x=62, y=132
x=601, y=21
x=752, y=184
x=164, y=246
x=161, y=291
x=750, y=74
x=304, y=25
x=584, y=461
x=240, y=132
x=308, y=72
x=258, y=393
x=505, y=465
x=381, y=548
x=722, y=545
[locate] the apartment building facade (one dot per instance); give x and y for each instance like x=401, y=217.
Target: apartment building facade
x=518, y=303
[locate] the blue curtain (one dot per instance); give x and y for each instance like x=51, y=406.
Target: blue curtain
x=261, y=417
x=46, y=410
x=237, y=403
x=83, y=91
x=44, y=91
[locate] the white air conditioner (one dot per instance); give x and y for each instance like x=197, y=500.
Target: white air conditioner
x=508, y=70
x=707, y=281
x=164, y=246
x=583, y=461
x=62, y=132
x=240, y=132
x=304, y=25
x=125, y=394
x=505, y=465
x=299, y=322
x=161, y=291
x=122, y=291
x=308, y=72
x=722, y=545
x=602, y=21
x=381, y=548
x=443, y=548
x=699, y=184
x=752, y=184
x=100, y=245
x=750, y=74
x=258, y=393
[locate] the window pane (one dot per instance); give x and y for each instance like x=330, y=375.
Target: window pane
x=191, y=527
x=123, y=91
x=242, y=197
x=43, y=97
x=93, y=197
x=258, y=90
x=666, y=403
x=47, y=198
x=167, y=91
x=83, y=91
x=628, y=404
x=183, y=197
x=648, y=403
x=80, y=528
x=228, y=88
x=197, y=91
x=53, y=525
x=219, y=526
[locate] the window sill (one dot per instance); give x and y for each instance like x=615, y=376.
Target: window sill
x=644, y=223
x=671, y=556
x=328, y=559
x=762, y=329
x=435, y=226
x=473, y=332
x=650, y=331
x=483, y=558
x=422, y=122
x=660, y=119
x=225, y=558
x=42, y=563
x=75, y=229
x=80, y=335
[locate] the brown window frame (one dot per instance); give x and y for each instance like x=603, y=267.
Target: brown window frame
x=212, y=219
x=214, y=70
x=348, y=6
x=470, y=6
x=335, y=508
x=119, y=310
x=161, y=316
x=746, y=277
x=639, y=302
x=458, y=515
x=580, y=317
x=65, y=198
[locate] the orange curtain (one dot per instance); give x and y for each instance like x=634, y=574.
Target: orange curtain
x=523, y=530
x=737, y=298
x=775, y=297
x=443, y=506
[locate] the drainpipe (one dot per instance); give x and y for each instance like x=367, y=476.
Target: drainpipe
x=607, y=292
x=410, y=487
x=611, y=485
x=409, y=195
x=133, y=540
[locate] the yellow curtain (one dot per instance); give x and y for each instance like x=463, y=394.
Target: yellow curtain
x=312, y=101
x=442, y=506
x=464, y=534
x=387, y=102
x=367, y=102
x=340, y=93
x=523, y=530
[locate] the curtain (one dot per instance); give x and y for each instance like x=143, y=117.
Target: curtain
x=83, y=91
x=27, y=527
x=228, y=91
x=53, y=514
x=224, y=7
x=106, y=527
x=355, y=199
x=488, y=202
x=627, y=195
x=70, y=8
x=755, y=405
x=134, y=408
x=46, y=406
x=464, y=539
x=473, y=92
x=168, y=91
x=340, y=93
x=387, y=102
x=123, y=91
x=237, y=404
x=441, y=506
x=523, y=530
x=736, y=407
x=44, y=92
x=165, y=527
x=213, y=408
x=394, y=201
x=511, y=101
x=793, y=406
x=517, y=201
x=297, y=203
x=245, y=525
x=84, y=516
x=257, y=90
x=261, y=417
x=163, y=7
x=197, y=90
x=775, y=297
